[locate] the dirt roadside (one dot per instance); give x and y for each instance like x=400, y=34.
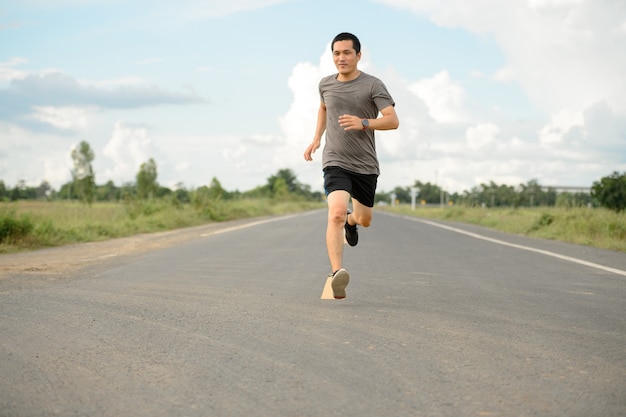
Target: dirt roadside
x=65, y=259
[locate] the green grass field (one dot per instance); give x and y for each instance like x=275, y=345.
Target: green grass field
x=27, y=225
x=595, y=227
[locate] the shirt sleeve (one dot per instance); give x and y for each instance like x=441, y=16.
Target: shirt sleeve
x=381, y=95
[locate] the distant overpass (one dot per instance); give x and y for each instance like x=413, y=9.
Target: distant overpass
x=566, y=189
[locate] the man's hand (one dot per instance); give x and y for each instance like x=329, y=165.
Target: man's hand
x=310, y=150
x=350, y=122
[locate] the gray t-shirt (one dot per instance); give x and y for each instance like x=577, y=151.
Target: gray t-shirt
x=364, y=97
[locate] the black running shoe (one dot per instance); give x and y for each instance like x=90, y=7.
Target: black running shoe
x=341, y=279
x=352, y=235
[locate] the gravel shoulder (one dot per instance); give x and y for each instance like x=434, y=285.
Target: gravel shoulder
x=64, y=260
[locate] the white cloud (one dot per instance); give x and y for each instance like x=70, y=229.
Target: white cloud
x=443, y=97
x=236, y=155
x=8, y=71
x=481, y=136
x=57, y=89
x=67, y=118
x=299, y=121
x=564, y=53
x=504, y=75
x=568, y=57
x=552, y=4
x=263, y=140
x=128, y=148
x=237, y=165
x=604, y=131
x=123, y=82
x=559, y=126
x=33, y=158
x=182, y=166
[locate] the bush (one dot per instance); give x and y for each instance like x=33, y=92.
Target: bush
x=136, y=207
x=12, y=228
x=610, y=192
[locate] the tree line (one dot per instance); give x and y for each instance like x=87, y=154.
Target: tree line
x=492, y=195
x=82, y=187
x=609, y=192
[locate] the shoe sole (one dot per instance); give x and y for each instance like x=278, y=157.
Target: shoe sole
x=339, y=284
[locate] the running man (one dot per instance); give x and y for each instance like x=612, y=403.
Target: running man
x=351, y=101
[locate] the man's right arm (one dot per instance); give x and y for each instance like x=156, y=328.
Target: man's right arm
x=319, y=131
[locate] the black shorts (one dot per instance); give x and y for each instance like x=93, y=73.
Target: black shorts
x=360, y=186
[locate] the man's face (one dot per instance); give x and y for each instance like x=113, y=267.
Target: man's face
x=345, y=57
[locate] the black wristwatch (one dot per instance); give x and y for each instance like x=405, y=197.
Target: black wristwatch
x=365, y=123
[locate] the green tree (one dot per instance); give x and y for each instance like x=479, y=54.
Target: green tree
x=66, y=191
x=107, y=192
x=82, y=174
x=216, y=191
x=3, y=191
x=127, y=191
x=429, y=192
x=21, y=191
x=285, y=183
x=146, y=180
x=610, y=192
x=44, y=190
x=533, y=194
x=403, y=195
x=181, y=194
x=280, y=188
x=568, y=200
x=289, y=180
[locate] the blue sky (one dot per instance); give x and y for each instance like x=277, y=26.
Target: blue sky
x=486, y=90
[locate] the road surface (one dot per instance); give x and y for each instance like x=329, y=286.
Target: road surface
x=440, y=320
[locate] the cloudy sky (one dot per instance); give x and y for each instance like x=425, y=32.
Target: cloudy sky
x=486, y=90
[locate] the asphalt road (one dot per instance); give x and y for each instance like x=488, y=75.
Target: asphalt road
x=455, y=321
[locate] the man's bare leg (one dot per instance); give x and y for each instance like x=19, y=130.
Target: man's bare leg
x=337, y=209
x=361, y=215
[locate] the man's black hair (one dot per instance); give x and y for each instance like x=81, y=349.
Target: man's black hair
x=345, y=36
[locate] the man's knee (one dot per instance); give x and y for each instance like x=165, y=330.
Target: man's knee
x=337, y=215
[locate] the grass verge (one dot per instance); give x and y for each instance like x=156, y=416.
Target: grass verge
x=27, y=225
x=595, y=227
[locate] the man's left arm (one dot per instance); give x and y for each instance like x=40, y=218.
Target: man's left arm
x=388, y=121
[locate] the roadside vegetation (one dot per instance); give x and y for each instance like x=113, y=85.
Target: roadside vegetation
x=597, y=227
x=594, y=217
x=27, y=225
x=82, y=211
